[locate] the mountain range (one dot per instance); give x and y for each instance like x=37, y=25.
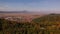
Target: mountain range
x=13, y=12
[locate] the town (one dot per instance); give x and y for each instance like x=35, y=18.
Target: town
x=20, y=18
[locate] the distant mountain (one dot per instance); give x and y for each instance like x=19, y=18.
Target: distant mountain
x=14, y=12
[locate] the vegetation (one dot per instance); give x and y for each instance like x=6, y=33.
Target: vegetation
x=12, y=27
x=49, y=24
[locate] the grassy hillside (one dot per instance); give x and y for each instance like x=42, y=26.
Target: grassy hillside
x=12, y=27
x=48, y=24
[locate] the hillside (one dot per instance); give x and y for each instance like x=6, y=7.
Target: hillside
x=50, y=22
x=12, y=27
x=49, y=18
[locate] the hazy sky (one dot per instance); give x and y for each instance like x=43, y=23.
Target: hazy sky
x=30, y=5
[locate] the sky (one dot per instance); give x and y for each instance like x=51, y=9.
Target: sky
x=30, y=5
